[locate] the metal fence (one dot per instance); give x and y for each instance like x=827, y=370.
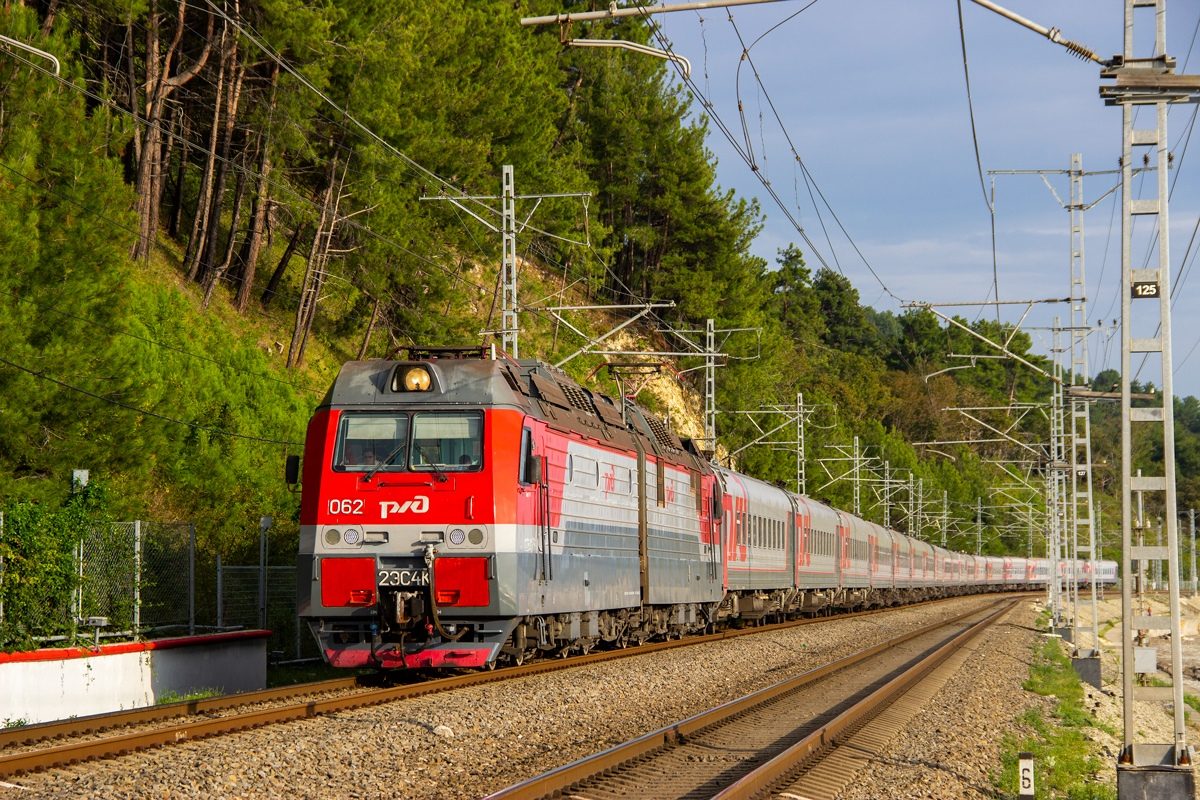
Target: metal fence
x=257, y=597
x=137, y=578
x=130, y=578
x=140, y=577
x=144, y=580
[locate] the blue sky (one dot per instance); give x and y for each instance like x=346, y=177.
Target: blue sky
x=872, y=94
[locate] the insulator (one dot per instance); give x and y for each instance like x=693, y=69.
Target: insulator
x=1079, y=50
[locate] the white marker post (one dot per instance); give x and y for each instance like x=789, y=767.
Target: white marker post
x=1025, y=786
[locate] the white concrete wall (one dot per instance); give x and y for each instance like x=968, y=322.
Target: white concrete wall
x=51, y=688
x=41, y=691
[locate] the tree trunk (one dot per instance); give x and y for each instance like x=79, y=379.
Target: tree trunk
x=306, y=308
x=153, y=72
x=51, y=15
x=314, y=273
x=280, y=268
x=169, y=148
x=362, y=350
x=180, y=175
x=148, y=147
x=201, y=222
x=217, y=274
x=213, y=264
x=258, y=213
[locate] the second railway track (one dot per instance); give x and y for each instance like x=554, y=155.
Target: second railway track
x=65, y=742
x=750, y=746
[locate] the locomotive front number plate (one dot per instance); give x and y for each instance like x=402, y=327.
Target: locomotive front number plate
x=403, y=577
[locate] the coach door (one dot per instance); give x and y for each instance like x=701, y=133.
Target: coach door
x=872, y=557
x=843, y=548
x=713, y=506
x=795, y=547
x=533, y=512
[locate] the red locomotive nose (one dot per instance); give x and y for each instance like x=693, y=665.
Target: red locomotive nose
x=347, y=582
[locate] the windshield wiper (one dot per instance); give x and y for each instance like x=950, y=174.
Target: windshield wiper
x=441, y=475
x=386, y=462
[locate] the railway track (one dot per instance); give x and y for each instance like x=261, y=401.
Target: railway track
x=46, y=745
x=771, y=742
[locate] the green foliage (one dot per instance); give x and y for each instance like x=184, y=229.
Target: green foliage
x=1064, y=757
x=184, y=406
x=847, y=325
x=175, y=697
x=38, y=546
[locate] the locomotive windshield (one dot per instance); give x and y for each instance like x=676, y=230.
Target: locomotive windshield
x=424, y=441
x=449, y=440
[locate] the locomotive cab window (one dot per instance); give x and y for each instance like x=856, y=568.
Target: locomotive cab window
x=448, y=441
x=438, y=441
x=371, y=441
x=523, y=468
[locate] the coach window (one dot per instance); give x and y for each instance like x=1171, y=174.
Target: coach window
x=371, y=441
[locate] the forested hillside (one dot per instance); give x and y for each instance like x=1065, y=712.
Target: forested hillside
x=218, y=202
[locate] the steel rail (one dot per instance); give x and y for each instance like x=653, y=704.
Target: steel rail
x=558, y=781
x=95, y=723
x=828, y=737
x=118, y=744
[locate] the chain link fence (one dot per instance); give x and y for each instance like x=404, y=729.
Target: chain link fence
x=147, y=580
x=107, y=593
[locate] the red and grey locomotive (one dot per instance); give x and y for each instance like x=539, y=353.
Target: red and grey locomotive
x=458, y=509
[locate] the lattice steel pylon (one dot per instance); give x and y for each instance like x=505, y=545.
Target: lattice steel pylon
x=1055, y=486
x=1080, y=502
x=1148, y=769
x=510, y=321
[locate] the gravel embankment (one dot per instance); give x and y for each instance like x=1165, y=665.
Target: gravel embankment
x=951, y=748
x=474, y=741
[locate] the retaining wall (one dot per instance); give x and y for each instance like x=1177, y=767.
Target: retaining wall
x=58, y=683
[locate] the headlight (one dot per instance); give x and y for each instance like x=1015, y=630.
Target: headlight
x=411, y=379
x=458, y=536
x=333, y=536
x=475, y=536
x=352, y=536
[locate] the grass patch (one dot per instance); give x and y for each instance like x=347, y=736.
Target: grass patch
x=166, y=698
x=308, y=672
x=1064, y=760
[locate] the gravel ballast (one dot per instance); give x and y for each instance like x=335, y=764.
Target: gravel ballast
x=471, y=742
x=951, y=749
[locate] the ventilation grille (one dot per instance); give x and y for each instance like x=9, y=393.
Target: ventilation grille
x=578, y=397
x=664, y=436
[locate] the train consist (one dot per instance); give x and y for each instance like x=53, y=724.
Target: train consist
x=458, y=509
